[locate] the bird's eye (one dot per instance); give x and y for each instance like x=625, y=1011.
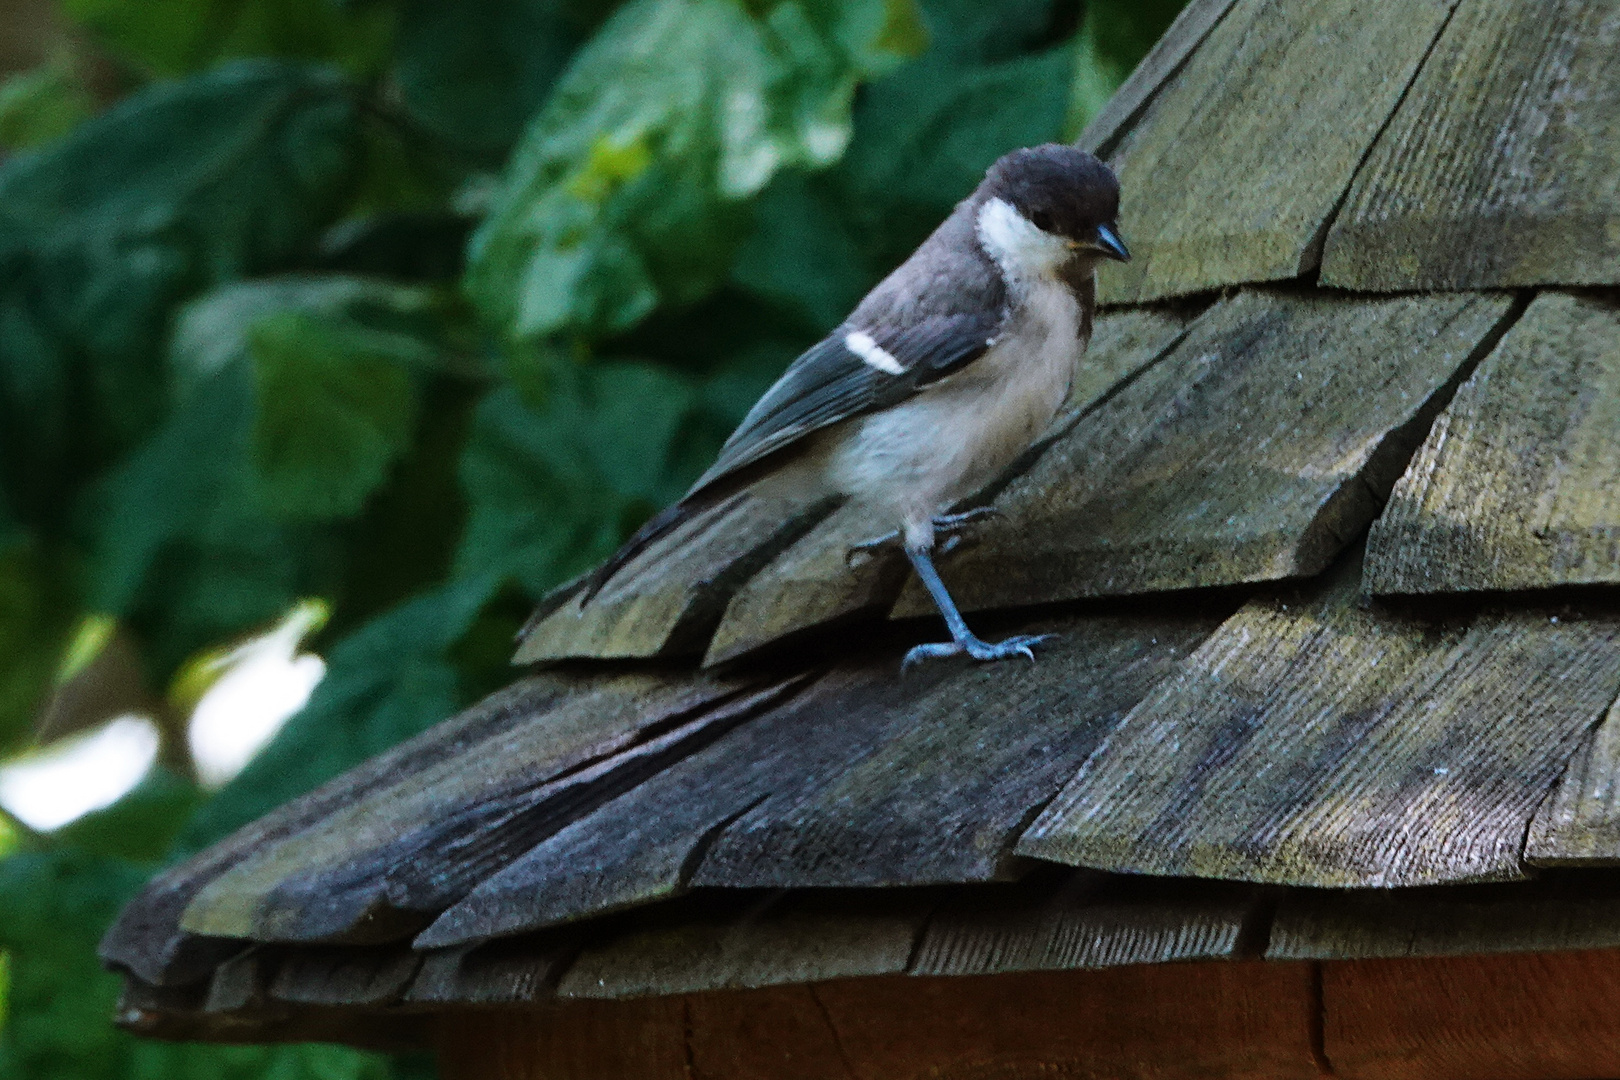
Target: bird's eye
x=1042, y=220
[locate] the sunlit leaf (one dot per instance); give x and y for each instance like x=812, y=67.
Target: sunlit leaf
x=385, y=682
x=624, y=191
x=216, y=524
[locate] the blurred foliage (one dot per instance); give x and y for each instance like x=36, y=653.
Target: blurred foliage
x=415, y=309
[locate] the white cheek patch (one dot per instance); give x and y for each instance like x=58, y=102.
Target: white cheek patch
x=871, y=353
x=1022, y=249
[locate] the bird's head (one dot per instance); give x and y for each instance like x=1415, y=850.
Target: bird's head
x=1047, y=205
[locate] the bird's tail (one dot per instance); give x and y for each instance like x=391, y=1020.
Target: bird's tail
x=658, y=526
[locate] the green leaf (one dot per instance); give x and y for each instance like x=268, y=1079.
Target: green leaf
x=181, y=187
x=474, y=73
x=385, y=682
x=1113, y=40
x=42, y=104
x=802, y=253
x=217, y=523
x=333, y=414
x=624, y=191
x=553, y=490
x=54, y=906
x=38, y=611
x=179, y=37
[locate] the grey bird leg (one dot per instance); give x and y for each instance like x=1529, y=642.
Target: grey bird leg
x=962, y=640
x=949, y=525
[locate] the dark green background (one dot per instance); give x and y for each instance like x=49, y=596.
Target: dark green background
x=415, y=308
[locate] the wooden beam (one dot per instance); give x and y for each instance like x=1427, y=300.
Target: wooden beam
x=1538, y=1016
x=1250, y=1019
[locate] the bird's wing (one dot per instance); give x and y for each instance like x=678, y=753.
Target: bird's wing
x=850, y=372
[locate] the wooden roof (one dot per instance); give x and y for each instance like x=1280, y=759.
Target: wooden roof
x=1328, y=539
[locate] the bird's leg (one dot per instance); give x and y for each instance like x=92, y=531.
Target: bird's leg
x=950, y=525
x=962, y=640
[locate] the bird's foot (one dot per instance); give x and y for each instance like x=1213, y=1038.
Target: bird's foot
x=1022, y=645
x=951, y=523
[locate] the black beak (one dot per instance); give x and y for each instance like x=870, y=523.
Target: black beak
x=1109, y=243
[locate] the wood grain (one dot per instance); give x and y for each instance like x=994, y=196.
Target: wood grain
x=1147, y=1022
x=1538, y=1016
x=644, y=1040
x=1558, y=915
x=397, y=849
x=1231, y=1019
x=513, y=971
x=344, y=976
x=1579, y=825
x=1515, y=486
x=962, y=766
x=1258, y=449
x=812, y=582
x=147, y=939
x=1498, y=169
x=667, y=601
x=1191, y=26
x=777, y=939
x=1312, y=742
x=1085, y=919
x=1235, y=169
x=642, y=845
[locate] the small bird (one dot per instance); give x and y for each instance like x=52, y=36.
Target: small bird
x=943, y=374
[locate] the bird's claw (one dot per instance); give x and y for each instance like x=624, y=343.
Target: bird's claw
x=948, y=523
x=1022, y=645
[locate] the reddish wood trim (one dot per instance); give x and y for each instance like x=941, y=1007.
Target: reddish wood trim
x=1169, y=1021
x=1523, y=1016
x=1526, y=1016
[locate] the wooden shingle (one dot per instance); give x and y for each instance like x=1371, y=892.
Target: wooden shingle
x=406, y=846
x=1311, y=742
x=1236, y=168
x=1515, y=486
x=858, y=780
x=1499, y=167
x=1331, y=924
x=668, y=599
x=1579, y=825
x=962, y=765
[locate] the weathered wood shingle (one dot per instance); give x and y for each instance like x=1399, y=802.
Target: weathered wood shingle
x=1515, y=486
x=1235, y=170
x=1311, y=742
x=1499, y=167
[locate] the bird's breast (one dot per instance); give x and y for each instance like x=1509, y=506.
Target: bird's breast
x=920, y=457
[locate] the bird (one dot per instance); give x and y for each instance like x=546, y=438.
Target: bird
x=952, y=366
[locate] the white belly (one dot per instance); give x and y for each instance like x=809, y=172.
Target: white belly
x=912, y=462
